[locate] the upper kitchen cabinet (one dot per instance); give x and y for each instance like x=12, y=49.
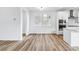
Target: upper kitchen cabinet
x=78, y=16
x=75, y=13
x=62, y=15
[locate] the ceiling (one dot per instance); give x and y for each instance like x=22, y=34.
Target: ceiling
x=52, y=8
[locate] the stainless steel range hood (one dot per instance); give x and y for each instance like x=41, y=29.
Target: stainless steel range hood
x=71, y=15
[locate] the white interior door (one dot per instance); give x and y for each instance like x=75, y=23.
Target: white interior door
x=10, y=23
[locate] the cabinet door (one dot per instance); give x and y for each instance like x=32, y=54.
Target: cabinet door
x=67, y=36
x=75, y=13
x=74, y=38
x=78, y=16
x=63, y=15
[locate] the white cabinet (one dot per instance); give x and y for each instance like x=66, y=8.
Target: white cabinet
x=71, y=36
x=64, y=16
x=67, y=36
x=78, y=16
x=75, y=13
x=75, y=38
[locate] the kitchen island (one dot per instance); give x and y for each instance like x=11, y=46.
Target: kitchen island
x=71, y=35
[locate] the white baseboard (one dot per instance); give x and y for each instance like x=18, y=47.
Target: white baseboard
x=42, y=33
x=11, y=39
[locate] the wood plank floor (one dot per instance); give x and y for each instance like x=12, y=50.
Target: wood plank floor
x=37, y=42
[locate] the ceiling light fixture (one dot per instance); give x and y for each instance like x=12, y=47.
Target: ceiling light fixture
x=41, y=8
x=44, y=15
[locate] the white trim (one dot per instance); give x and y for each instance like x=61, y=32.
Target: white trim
x=27, y=26
x=21, y=22
x=10, y=39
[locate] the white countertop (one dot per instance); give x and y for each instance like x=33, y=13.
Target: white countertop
x=72, y=29
x=73, y=24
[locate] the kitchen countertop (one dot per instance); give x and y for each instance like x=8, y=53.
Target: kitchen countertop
x=73, y=24
x=72, y=29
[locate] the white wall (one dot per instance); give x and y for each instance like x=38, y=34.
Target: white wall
x=25, y=20
x=24, y=24
x=33, y=28
x=10, y=29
